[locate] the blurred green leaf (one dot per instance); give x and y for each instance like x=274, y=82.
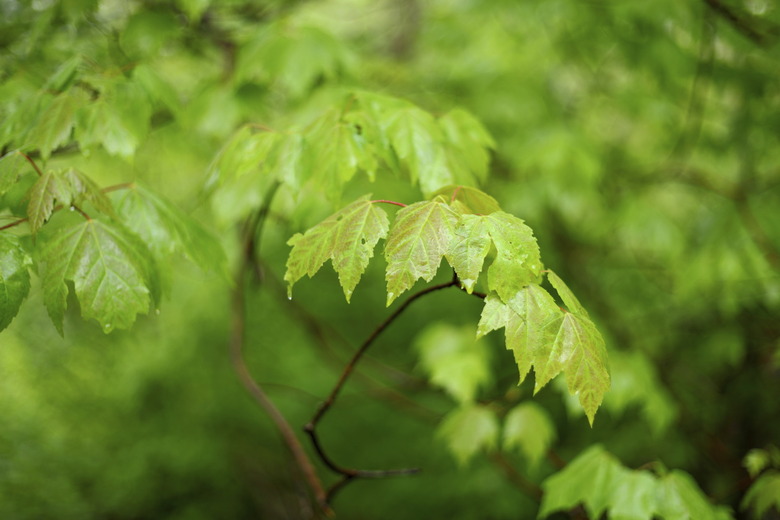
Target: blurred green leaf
x=14, y=278
x=468, y=430
x=529, y=429
x=763, y=495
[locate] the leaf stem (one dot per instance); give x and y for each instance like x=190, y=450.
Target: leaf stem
x=14, y=223
x=34, y=165
x=389, y=202
x=117, y=187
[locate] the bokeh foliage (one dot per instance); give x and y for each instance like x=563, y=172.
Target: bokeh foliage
x=640, y=141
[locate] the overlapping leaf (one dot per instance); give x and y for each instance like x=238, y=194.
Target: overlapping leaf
x=12, y=165
x=110, y=269
x=551, y=341
x=66, y=187
x=14, y=278
x=347, y=238
x=469, y=248
x=518, y=262
x=466, y=199
x=166, y=229
x=56, y=123
x=421, y=235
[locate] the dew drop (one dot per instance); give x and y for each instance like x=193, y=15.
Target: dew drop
x=107, y=325
x=72, y=208
x=157, y=311
x=289, y=296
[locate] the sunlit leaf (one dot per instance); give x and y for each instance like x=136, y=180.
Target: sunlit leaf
x=471, y=200
x=454, y=361
x=468, y=249
x=468, y=430
x=110, y=269
x=14, y=278
x=420, y=236
x=528, y=429
x=347, y=238
x=517, y=262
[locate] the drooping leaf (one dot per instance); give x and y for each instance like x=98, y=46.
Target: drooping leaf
x=49, y=187
x=287, y=161
x=469, y=141
x=528, y=428
x=590, y=479
x=679, y=498
x=569, y=300
x=166, y=229
x=468, y=430
x=634, y=498
x=347, y=238
x=518, y=262
x=55, y=124
x=453, y=360
x=335, y=152
x=110, y=269
x=14, y=278
x=421, y=235
x=12, y=165
x=763, y=494
x=242, y=153
x=82, y=188
x=469, y=200
x=468, y=249
x=414, y=135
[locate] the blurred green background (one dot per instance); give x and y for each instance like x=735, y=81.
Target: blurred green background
x=640, y=141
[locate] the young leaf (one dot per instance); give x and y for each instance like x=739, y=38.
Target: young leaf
x=49, y=187
x=763, y=494
x=347, y=238
x=56, y=122
x=453, y=360
x=109, y=268
x=590, y=479
x=414, y=136
x=634, y=498
x=421, y=235
x=470, y=200
x=569, y=300
x=14, y=278
x=166, y=229
x=679, y=497
x=244, y=152
x=12, y=165
x=528, y=428
x=469, y=139
x=468, y=249
x=518, y=262
x=469, y=429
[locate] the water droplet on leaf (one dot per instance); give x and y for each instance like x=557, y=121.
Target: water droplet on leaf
x=157, y=311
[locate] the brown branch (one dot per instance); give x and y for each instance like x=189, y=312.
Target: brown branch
x=34, y=165
x=742, y=22
x=349, y=474
x=14, y=223
x=237, y=339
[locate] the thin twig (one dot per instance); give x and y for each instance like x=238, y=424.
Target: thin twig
x=14, y=223
x=29, y=160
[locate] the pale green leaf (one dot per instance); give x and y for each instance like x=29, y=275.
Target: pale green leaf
x=590, y=479
x=468, y=430
x=569, y=300
x=347, y=238
x=55, y=124
x=528, y=429
x=579, y=350
x=471, y=200
x=470, y=141
x=334, y=152
x=680, y=498
x=756, y=461
x=495, y=315
x=50, y=187
x=14, y=278
x=454, y=361
x=421, y=235
x=82, y=188
x=64, y=75
x=12, y=165
x=286, y=161
x=763, y=494
x=167, y=230
x=415, y=137
x=518, y=262
x=243, y=153
x=634, y=498
x=110, y=270
x=468, y=249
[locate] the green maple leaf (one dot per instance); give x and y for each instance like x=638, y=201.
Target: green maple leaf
x=469, y=140
x=110, y=270
x=518, y=261
x=14, y=278
x=468, y=430
x=244, y=152
x=634, y=498
x=347, y=238
x=466, y=199
x=166, y=229
x=421, y=235
x=679, y=498
x=569, y=300
x=590, y=479
x=415, y=137
x=49, y=188
x=469, y=248
x=763, y=494
x=55, y=124
x=12, y=165
x=528, y=428
x=335, y=152
x=66, y=187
